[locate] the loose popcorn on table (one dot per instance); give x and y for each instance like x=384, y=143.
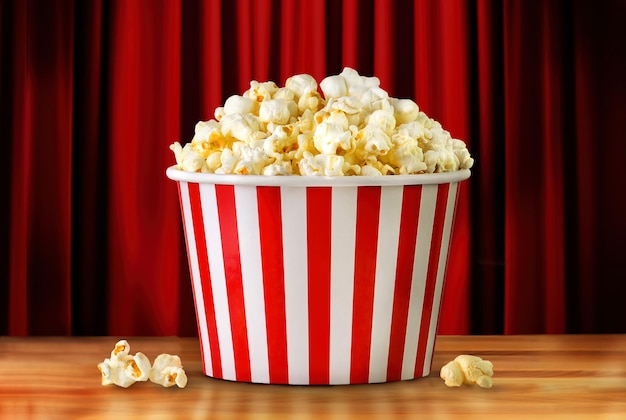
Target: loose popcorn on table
x=353, y=128
x=167, y=371
x=467, y=369
x=123, y=369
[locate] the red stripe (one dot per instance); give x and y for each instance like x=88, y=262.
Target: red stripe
x=318, y=215
x=366, y=241
x=445, y=268
x=193, y=288
x=227, y=213
x=404, y=276
x=431, y=275
x=270, y=230
x=205, y=276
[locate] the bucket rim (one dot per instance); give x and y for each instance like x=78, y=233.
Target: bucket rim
x=179, y=175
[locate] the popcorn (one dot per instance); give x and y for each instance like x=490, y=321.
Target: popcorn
x=240, y=105
x=167, y=371
x=406, y=154
x=405, y=110
x=330, y=138
x=334, y=87
x=243, y=127
x=275, y=111
x=123, y=369
x=325, y=165
x=357, y=84
x=466, y=369
x=301, y=84
x=382, y=119
x=261, y=91
x=352, y=128
x=372, y=141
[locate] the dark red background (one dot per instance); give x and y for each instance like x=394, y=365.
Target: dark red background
x=92, y=94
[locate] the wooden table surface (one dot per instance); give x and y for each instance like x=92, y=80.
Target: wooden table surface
x=553, y=376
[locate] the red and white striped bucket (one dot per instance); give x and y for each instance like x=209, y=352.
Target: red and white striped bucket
x=314, y=280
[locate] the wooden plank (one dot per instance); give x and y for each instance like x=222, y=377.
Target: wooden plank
x=565, y=376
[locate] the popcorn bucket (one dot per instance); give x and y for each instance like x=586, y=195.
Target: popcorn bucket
x=315, y=280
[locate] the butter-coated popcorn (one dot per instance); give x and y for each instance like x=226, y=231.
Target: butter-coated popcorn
x=123, y=369
x=167, y=370
x=208, y=137
x=187, y=158
x=121, y=349
x=406, y=154
x=468, y=369
x=405, y=110
x=346, y=125
x=261, y=91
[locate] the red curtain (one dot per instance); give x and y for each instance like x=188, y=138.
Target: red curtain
x=92, y=94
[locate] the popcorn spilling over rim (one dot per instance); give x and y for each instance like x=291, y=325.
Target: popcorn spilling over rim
x=354, y=128
x=124, y=369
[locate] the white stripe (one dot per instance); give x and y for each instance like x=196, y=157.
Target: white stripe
x=293, y=211
x=343, y=236
x=441, y=270
x=252, y=279
x=192, y=255
x=418, y=285
x=386, y=259
x=218, y=279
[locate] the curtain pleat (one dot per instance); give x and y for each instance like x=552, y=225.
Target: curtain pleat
x=143, y=228
x=89, y=180
x=93, y=93
x=588, y=180
x=41, y=171
x=533, y=222
x=17, y=230
x=487, y=184
x=384, y=42
x=596, y=155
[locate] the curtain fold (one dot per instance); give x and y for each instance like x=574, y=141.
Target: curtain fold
x=534, y=223
x=487, y=133
x=93, y=93
x=41, y=168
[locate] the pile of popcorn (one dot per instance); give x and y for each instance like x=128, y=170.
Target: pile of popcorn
x=124, y=369
x=354, y=128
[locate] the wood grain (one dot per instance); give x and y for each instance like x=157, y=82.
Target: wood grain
x=556, y=376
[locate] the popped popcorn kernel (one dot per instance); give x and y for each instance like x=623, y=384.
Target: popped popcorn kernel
x=138, y=367
x=124, y=369
x=345, y=125
x=167, y=370
x=121, y=349
x=467, y=369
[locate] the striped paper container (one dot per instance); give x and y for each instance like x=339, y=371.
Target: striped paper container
x=315, y=280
